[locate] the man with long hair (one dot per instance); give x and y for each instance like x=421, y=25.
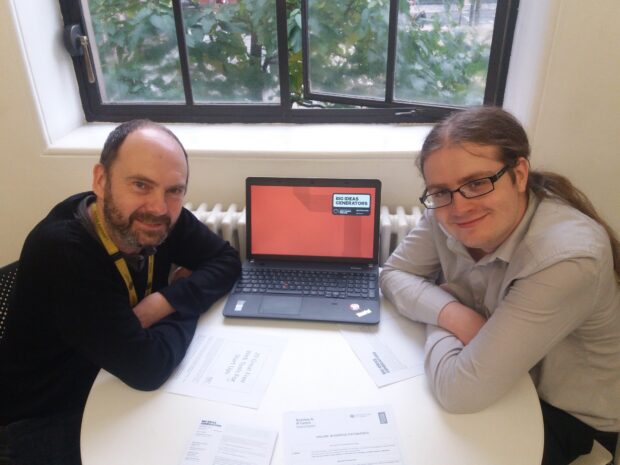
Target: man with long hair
x=514, y=272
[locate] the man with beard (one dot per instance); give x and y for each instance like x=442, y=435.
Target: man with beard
x=93, y=291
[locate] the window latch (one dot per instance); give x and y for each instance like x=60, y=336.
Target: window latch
x=77, y=44
x=411, y=112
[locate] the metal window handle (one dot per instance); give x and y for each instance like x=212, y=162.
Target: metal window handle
x=85, y=44
x=77, y=44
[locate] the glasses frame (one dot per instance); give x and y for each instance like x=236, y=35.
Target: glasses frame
x=493, y=180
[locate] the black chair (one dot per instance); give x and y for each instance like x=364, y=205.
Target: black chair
x=8, y=276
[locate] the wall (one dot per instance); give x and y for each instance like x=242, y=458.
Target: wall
x=562, y=85
x=578, y=123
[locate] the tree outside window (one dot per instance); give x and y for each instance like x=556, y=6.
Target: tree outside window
x=295, y=56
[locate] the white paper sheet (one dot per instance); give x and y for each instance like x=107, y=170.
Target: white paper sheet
x=215, y=443
x=352, y=436
x=228, y=366
x=391, y=351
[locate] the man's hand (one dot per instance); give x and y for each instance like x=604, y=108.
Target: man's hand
x=461, y=321
x=152, y=308
x=179, y=273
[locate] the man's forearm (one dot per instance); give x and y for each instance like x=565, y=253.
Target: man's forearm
x=152, y=308
x=461, y=321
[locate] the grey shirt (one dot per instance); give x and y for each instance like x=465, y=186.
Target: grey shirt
x=553, y=307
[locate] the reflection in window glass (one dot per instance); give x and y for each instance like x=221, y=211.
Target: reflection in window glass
x=348, y=47
x=443, y=51
x=232, y=48
x=135, y=50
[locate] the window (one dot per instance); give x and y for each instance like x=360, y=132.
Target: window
x=287, y=60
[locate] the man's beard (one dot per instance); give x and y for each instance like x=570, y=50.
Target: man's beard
x=121, y=230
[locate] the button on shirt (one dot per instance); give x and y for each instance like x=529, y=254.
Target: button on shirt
x=552, y=302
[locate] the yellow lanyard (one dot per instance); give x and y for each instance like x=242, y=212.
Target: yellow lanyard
x=119, y=261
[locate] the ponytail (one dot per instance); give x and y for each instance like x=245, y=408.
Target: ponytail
x=546, y=184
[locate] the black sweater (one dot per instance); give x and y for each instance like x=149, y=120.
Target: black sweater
x=70, y=315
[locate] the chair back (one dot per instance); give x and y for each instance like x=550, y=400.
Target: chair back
x=597, y=456
x=8, y=275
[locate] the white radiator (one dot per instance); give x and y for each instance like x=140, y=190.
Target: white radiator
x=394, y=227
x=230, y=225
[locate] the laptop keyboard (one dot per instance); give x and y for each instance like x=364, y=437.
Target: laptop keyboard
x=334, y=284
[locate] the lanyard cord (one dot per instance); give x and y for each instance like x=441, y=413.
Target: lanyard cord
x=119, y=261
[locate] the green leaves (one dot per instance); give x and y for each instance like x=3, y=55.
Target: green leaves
x=294, y=31
x=442, y=61
x=232, y=50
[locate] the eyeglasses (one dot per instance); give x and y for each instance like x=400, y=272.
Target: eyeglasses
x=469, y=190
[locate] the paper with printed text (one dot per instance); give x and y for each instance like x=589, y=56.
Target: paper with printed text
x=228, y=366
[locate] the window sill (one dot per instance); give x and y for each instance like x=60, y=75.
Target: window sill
x=274, y=141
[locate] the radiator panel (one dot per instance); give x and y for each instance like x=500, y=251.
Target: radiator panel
x=230, y=224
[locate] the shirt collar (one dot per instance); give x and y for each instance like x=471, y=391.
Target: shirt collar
x=506, y=250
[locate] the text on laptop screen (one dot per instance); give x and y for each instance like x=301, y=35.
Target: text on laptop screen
x=313, y=221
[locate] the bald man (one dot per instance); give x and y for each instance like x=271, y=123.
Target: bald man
x=93, y=291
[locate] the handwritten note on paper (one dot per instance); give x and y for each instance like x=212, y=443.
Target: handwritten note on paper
x=230, y=367
x=215, y=443
x=391, y=351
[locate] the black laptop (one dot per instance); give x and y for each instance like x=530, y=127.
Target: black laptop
x=312, y=251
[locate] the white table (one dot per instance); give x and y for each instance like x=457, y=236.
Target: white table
x=318, y=370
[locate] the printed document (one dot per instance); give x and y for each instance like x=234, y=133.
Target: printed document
x=227, y=365
x=216, y=444
x=352, y=436
x=391, y=351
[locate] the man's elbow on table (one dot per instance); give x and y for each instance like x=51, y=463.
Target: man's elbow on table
x=455, y=396
x=146, y=375
x=147, y=382
x=453, y=381
x=456, y=400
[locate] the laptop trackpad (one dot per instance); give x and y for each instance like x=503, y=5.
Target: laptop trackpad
x=280, y=305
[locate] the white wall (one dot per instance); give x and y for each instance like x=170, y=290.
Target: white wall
x=578, y=123
x=563, y=85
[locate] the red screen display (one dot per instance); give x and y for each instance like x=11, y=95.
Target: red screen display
x=312, y=221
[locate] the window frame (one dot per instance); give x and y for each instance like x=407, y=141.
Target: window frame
x=388, y=111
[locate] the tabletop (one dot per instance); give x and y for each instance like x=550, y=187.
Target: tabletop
x=317, y=371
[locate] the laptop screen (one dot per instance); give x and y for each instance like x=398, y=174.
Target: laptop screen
x=331, y=219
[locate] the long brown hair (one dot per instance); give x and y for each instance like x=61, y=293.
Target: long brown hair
x=496, y=127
